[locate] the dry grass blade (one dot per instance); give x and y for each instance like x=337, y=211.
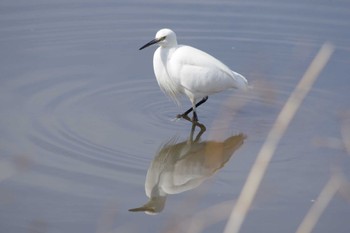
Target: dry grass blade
x=283, y=120
x=326, y=195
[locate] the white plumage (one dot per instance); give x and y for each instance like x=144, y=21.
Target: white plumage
x=182, y=166
x=184, y=70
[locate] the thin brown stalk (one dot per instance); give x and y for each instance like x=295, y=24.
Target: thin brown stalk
x=322, y=201
x=284, y=118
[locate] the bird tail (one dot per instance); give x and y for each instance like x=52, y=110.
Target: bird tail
x=240, y=81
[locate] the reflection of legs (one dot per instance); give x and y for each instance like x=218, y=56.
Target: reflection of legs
x=203, y=129
x=191, y=109
x=194, y=124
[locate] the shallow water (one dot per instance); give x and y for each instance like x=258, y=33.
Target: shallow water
x=82, y=116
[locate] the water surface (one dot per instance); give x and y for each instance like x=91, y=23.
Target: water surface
x=82, y=116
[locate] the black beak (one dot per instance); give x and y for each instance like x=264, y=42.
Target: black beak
x=154, y=41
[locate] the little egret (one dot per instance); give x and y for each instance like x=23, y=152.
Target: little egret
x=184, y=70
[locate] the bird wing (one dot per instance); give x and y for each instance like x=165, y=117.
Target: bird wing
x=171, y=186
x=200, y=72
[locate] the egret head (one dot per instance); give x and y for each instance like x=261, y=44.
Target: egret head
x=164, y=37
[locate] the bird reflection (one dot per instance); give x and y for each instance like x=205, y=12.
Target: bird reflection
x=182, y=166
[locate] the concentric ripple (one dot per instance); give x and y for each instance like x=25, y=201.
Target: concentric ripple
x=79, y=102
x=97, y=124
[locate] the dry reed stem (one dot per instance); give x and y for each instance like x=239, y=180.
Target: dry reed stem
x=322, y=201
x=284, y=118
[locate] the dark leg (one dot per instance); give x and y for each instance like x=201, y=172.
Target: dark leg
x=195, y=117
x=191, y=109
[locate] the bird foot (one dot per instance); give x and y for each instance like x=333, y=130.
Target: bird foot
x=186, y=117
x=178, y=116
x=183, y=116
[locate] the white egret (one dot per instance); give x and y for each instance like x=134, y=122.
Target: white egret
x=184, y=70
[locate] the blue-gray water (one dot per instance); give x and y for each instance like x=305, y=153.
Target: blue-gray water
x=82, y=116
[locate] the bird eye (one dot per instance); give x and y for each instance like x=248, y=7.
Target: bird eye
x=163, y=38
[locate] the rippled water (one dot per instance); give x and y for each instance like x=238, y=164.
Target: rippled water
x=82, y=116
